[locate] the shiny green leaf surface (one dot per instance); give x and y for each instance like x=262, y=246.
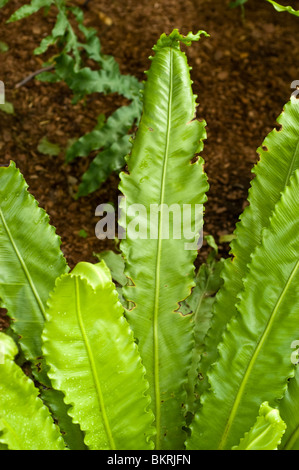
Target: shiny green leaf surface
x=161, y=175
x=30, y=259
x=255, y=348
x=266, y=433
x=94, y=360
x=25, y=422
x=279, y=158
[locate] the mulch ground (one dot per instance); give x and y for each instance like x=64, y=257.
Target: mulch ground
x=242, y=76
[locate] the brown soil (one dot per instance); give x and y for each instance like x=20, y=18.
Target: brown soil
x=242, y=76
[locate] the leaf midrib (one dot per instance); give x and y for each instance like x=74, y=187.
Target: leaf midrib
x=11, y=430
x=158, y=264
x=259, y=438
x=93, y=367
x=253, y=359
x=24, y=267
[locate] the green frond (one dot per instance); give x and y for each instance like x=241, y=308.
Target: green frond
x=162, y=177
x=279, y=158
x=94, y=361
x=30, y=260
x=254, y=355
x=266, y=433
x=25, y=422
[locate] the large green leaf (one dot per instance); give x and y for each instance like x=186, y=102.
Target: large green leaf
x=279, y=158
x=266, y=433
x=160, y=175
x=94, y=360
x=30, y=260
x=254, y=355
x=25, y=422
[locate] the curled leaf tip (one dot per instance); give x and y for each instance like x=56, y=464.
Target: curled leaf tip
x=270, y=414
x=98, y=275
x=175, y=38
x=267, y=431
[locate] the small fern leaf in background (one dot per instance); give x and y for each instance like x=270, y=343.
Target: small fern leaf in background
x=69, y=65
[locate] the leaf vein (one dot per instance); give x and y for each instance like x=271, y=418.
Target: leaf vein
x=93, y=367
x=254, y=357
